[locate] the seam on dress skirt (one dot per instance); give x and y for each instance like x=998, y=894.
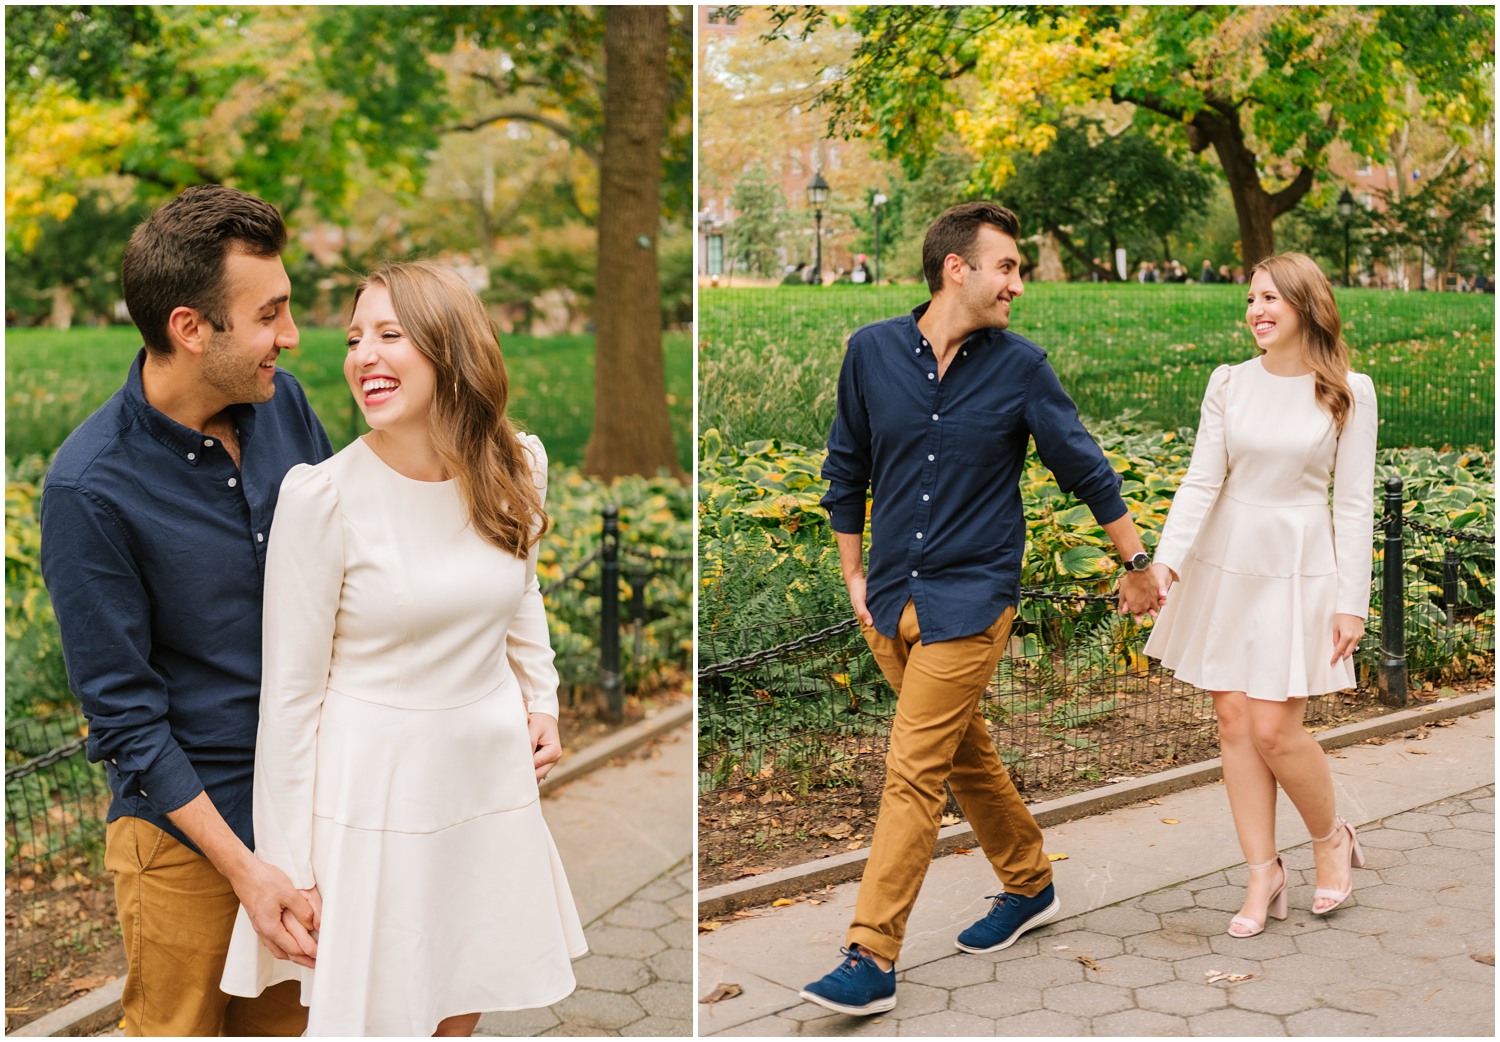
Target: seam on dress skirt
x=429, y=832
x=509, y=677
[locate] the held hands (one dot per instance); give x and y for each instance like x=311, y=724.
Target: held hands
x=1347, y=630
x=285, y=918
x=546, y=746
x=856, y=586
x=1143, y=593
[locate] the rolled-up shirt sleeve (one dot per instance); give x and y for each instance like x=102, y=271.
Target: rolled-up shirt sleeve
x=847, y=468
x=1067, y=449
x=104, y=615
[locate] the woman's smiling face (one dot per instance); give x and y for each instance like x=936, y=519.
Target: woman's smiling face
x=392, y=381
x=1273, y=322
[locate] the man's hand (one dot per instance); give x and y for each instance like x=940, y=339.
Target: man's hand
x=856, y=586
x=546, y=746
x=283, y=916
x=1140, y=594
x=1347, y=629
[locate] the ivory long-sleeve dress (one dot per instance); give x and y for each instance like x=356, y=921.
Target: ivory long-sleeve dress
x=393, y=767
x=1264, y=563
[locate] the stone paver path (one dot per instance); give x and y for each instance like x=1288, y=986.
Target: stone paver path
x=636, y=979
x=1398, y=959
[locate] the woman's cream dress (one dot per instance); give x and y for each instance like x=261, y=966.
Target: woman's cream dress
x=393, y=767
x=1264, y=563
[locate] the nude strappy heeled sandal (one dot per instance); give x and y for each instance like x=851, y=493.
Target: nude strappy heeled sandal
x=1356, y=860
x=1275, y=908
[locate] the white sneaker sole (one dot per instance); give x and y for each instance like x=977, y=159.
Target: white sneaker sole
x=1030, y=924
x=884, y=1005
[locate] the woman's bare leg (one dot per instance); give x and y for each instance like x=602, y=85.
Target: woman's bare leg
x=1251, y=787
x=461, y=1026
x=1301, y=766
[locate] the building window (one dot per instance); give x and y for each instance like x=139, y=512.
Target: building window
x=715, y=252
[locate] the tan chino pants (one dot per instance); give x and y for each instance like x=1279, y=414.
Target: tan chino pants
x=939, y=734
x=176, y=915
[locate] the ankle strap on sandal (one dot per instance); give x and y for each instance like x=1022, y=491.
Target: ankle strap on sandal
x=1265, y=864
x=1338, y=823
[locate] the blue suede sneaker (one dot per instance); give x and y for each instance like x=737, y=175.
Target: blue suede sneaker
x=1009, y=917
x=857, y=986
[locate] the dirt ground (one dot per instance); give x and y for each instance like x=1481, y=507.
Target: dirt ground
x=61, y=935
x=777, y=818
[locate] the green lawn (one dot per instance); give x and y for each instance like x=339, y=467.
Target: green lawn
x=769, y=357
x=55, y=378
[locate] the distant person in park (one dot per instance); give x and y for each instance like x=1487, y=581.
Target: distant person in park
x=1269, y=587
x=156, y=517
x=1206, y=275
x=934, y=412
x=409, y=704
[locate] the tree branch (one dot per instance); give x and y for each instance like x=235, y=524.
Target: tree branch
x=561, y=129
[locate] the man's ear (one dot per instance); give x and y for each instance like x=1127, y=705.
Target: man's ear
x=187, y=329
x=956, y=268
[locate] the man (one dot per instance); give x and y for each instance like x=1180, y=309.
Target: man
x=934, y=413
x=155, y=518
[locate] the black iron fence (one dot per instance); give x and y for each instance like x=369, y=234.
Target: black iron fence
x=792, y=737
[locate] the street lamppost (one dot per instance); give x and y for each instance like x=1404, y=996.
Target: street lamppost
x=1346, y=211
x=879, y=201
x=817, y=195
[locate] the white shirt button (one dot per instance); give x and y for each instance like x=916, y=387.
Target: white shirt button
x=913, y=575
x=934, y=416
x=209, y=442
x=192, y=455
x=930, y=457
x=260, y=537
x=924, y=343
x=233, y=482
x=925, y=497
x=919, y=535
x=932, y=376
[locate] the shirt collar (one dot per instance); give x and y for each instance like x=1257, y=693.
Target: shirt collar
x=182, y=440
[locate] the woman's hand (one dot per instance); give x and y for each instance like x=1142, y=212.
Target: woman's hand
x=546, y=746
x=1347, y=629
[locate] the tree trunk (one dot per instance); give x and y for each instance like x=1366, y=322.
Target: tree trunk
x=1255, y=208
x=62, y=307
x=632, y=431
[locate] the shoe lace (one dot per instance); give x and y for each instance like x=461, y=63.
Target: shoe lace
x=853, y=954
x=1001, y=900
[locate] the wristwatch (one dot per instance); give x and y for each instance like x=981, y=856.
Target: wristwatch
x=1139, y=563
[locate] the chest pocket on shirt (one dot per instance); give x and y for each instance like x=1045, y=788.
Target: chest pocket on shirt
x=980, y=439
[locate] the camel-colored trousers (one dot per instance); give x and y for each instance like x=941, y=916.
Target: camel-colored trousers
x=939, y=734
x=176, y=915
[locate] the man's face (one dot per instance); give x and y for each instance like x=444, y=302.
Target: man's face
x=239, y=363
x=992, y=280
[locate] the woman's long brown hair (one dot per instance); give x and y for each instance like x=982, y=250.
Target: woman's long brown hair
x=1303, y=285
x=473, y=437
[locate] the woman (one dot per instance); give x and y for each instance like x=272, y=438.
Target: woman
x=1272, y=591
x=408, y=700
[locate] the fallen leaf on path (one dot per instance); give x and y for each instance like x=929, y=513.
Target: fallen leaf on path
x=1088, y=962
x=90, y=982
x=838, y=831
x=722, y=992
x=1416, y=752
x=753, y=871
x=1487, y=958
x=964, y=850
x=1170, y=821
x=951, y=819
x=1214, y=976
x=708, y=927
x=782, y=902
x=1057, y=857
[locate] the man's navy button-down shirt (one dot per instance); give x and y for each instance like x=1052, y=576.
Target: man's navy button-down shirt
x=154, y=554
x=942, y=461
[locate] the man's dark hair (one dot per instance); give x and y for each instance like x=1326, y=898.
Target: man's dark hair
x=955, y=232
x=176, y=257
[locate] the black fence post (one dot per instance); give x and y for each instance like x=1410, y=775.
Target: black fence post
x=1393, y=603
x=640, y=575
x=609, y=613
x=1450, y=596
